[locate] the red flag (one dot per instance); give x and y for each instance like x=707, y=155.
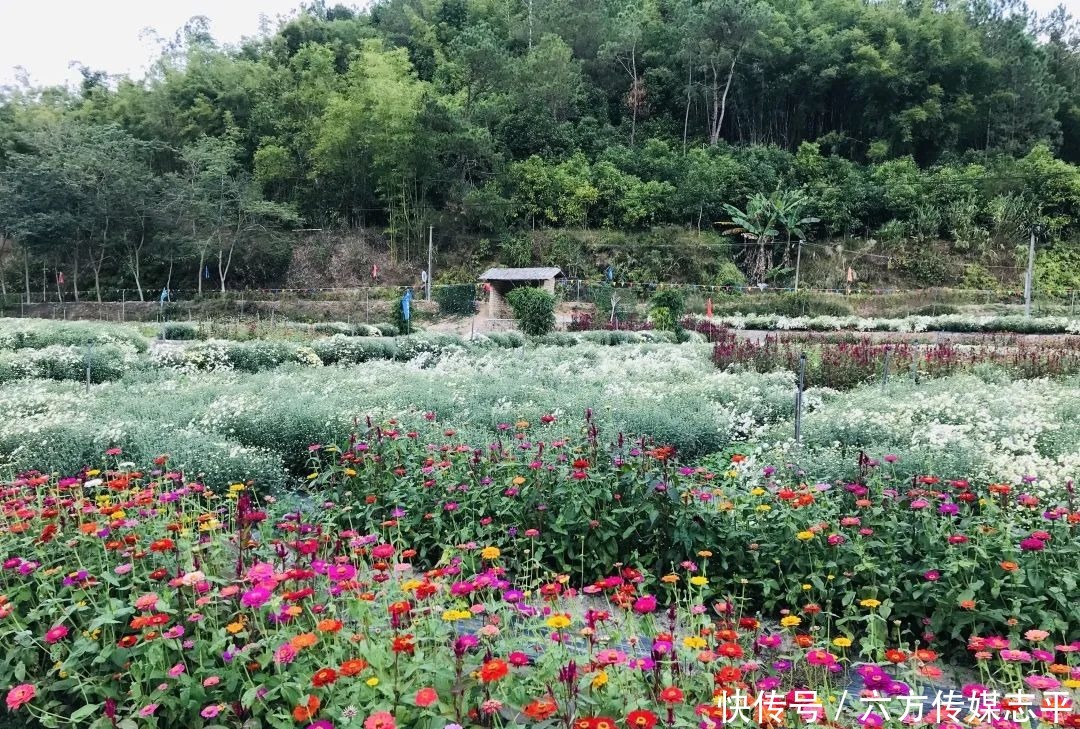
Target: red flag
x=708, y=307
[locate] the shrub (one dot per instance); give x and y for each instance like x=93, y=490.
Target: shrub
x=181, y=330
x=459, y=300
x=667, y=309
x=729, y=275
x=534, y=310
x=341, y=350
x=388, y=330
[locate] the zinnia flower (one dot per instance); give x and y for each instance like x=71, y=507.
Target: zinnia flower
x=56, y=634
x=19, y=695
x=380, y=720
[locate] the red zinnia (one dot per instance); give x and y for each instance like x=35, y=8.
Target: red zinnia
x=540, y=709
x=641, y=719
x=403, y=644
x=324, y=677
x=671, y=695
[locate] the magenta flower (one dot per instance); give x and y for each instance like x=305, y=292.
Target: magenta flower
x=341, y=572
x=56, y=634
x=256, y=597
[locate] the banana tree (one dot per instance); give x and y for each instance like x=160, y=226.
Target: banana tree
x=789, y=206
x=756, y=223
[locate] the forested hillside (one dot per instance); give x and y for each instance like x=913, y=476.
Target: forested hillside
x=929, y=128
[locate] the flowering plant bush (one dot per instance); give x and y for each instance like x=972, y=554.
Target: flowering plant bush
x=140, y=598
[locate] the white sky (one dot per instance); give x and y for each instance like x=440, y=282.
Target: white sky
x=46, y=36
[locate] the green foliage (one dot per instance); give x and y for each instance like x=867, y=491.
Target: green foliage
x=534, y=310
x=456, y=300
x=978, y=278
x=1057, y=270
x=730, y=275
x=667, y=308
x=490, y=120
x=181, y=330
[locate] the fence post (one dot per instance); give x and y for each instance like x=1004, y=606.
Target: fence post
x=799, y=399
x=89, y=351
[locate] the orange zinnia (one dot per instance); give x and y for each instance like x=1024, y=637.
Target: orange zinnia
x=304, y=640
x=352, y=667
x=306, y=712
x=329, y=626
x=493, y=670
x=1009, y=566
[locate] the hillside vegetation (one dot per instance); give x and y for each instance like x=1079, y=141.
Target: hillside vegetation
x=692, y=140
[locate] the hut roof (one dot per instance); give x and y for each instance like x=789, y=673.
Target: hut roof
x=520, y=274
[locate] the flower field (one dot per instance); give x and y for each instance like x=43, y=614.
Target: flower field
x=427, y=582
x=561, y=534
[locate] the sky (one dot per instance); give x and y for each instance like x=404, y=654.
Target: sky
x=46, y=36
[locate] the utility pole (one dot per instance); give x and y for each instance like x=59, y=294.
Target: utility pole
x=1028, y=277
x=798, y=260
x=430, y=252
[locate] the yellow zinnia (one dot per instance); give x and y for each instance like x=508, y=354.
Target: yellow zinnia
x=372, y=682
x=805, y=535
x=694, y=642
x=757, y=491
x=764, y=507
x=842, y=642
x=699, y=581
x=558, y=622
x=490, y=552
x=870, y=603
x=790, y=621
x=599, y=679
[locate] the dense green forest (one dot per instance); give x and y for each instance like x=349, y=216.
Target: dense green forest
x=918, y=125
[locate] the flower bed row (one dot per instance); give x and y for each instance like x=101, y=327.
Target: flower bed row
x=843, y=365
x=142, y=598
x=944, y=323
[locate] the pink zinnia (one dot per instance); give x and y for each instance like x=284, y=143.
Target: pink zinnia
x=147, y=601
x=148, y=710
x=383, y=551
x=285, y=654
x=176, y=670
x=56, y=634
x=210, y=711
x=20, y=695
x=341, y=572
x=1042, y=683
x=380, y=720
x=645, y=604
x=1031, y=544
x=255, y=597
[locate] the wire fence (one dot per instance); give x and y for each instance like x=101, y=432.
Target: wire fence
x=122, y=303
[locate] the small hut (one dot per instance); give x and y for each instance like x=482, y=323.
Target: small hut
x=502, y=281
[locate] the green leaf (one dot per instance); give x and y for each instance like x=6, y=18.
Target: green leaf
x=83, y=712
